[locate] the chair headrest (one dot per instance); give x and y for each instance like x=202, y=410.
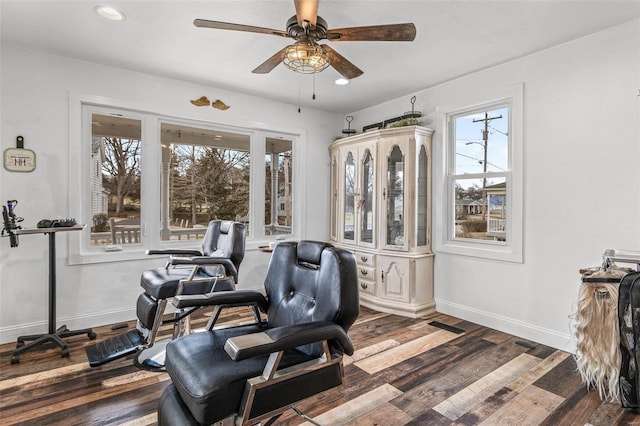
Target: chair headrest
x=225, y=225
x=310, y=251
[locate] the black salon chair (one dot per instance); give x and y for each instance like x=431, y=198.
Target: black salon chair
x=252, y=373
x=187, y=272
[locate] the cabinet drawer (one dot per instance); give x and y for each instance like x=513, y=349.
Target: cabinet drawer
x=366, y=286
x=366, y=259
x=366, y=273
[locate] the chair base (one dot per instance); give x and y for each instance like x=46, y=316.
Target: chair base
x=115, y=347
x=152, y=359
x=41, y=339
x=172, y=411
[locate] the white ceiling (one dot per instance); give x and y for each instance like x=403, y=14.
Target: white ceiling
x=454, y=38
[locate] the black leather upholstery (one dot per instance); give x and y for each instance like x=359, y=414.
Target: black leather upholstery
x=300, y=287
x=223, y=242
x=311, y=294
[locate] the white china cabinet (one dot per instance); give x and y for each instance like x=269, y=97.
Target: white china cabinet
x=381, y=211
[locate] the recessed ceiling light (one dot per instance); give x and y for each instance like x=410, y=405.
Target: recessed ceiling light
x=109, y=13
x=342, y=81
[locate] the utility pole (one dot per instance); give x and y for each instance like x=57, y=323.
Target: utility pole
x=485, y=138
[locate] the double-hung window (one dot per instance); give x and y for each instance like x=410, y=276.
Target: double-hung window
x=482, y=215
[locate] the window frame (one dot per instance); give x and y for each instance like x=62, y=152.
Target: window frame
x=510, y=250
x=81, y=106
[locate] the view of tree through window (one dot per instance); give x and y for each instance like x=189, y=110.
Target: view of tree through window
x=115, y=184
x=481, y=173
x=205, y=176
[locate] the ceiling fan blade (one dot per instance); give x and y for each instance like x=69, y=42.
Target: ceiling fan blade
x=390, y=32
x=268, y=65
x=306, y=10
x=341, y=64
x=204, y=23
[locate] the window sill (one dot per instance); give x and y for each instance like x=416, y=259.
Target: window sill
x=138, y=252
x=97, y=256
x=494, y=251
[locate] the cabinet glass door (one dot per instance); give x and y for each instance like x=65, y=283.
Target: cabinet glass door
x=395, y=197
x=367, y=200
x=334, y=197
x=349, y=196
x=423, y=200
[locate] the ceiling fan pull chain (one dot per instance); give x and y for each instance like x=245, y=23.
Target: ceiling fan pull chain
x=299, y=98
x=314, y=87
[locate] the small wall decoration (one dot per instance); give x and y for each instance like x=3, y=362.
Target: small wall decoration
x=204, y=101
x=219, y=105
x=201, y=101
x=19, y=159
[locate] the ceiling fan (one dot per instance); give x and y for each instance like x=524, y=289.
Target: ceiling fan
x=307, y=28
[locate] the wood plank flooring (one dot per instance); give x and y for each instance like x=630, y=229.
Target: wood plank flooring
x=404, y=372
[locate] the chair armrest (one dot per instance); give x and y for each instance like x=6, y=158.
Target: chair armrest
x=234, y=298
x=207, y=261
x=288, y=337
x=175, y=252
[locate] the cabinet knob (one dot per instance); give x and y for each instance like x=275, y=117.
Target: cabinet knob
x=364, y=286
x=364, y=258
x=363, y=271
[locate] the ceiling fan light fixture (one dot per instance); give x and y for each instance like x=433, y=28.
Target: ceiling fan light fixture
x=305, y=57
x=109, y=13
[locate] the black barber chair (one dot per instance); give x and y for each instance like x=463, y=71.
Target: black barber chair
x=252, y=373
x=187, y=272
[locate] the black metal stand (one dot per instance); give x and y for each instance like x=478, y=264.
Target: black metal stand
x=54, y=335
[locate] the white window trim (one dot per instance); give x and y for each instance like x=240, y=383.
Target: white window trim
x=80, y=251
x=444, y=242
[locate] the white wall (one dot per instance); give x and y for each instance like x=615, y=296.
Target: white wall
x=35, y=104
x=581, y=180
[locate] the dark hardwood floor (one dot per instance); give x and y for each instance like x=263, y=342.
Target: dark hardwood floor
x=405, y=371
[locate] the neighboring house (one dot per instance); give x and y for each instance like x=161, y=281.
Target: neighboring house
x=467, y=206
x=99, y=195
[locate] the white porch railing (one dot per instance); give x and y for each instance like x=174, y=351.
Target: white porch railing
x=131, y=235
x=496, y=227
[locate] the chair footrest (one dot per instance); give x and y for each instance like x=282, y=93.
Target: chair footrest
x=115, y=347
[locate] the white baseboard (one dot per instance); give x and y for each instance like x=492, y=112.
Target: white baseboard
x=96, y=319
x=11, y=333
x=527, y=331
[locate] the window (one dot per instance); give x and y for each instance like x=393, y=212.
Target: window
x=278, y=187
x=116, y=145
x=483, y=180
x=480, y=175
x=146, y=180
x=205, y=176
